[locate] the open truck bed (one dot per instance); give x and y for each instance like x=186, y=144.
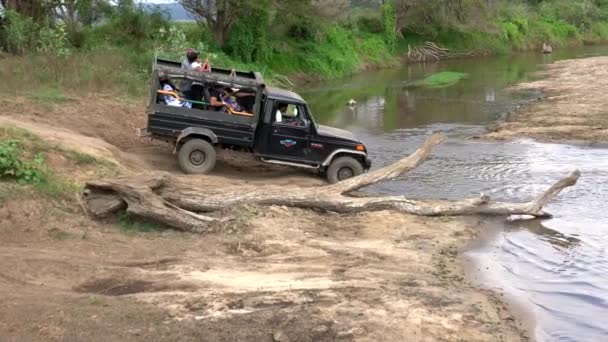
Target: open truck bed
x=167, y=123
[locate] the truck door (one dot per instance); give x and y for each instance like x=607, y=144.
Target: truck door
x=290, y=132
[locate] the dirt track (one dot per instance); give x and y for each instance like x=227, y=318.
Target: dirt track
x=275, y=274
x=575, y=107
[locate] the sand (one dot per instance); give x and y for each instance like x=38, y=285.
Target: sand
x=575, y=106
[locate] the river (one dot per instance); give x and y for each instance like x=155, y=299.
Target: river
x=556, y=269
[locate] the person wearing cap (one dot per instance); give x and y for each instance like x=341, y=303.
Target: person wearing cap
x=192, y=62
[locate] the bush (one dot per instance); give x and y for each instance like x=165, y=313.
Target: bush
x=370, y=22
x=556, y=32
x=14, y=166
x=303, y=29
x=334, y=56
x=172, y=43
x=19, y=33
x=581, y=13
x=598, y=31
x=131, y=24
x=248, y=38
x=374, y=49
x=512, y=10
x=53, y=41
x=389, y=23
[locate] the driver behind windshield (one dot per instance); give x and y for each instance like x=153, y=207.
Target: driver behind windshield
x=289, y=117
x=281, y=112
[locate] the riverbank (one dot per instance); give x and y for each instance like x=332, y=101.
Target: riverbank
x=274, y=274
x=573, y=107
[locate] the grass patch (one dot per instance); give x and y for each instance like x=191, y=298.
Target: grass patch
x=56, y=187
x=49, y=95
x=131, y=224
x=22, y=163
x=79, y=158
x=442, y=79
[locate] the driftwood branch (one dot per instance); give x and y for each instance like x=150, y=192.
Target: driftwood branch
x=178, y=202
x=429, y=51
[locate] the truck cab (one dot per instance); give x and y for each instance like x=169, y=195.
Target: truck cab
x=274, y=124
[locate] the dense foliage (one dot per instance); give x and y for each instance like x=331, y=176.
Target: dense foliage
x=326, y=38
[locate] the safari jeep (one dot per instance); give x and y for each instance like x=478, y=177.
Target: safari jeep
x=289, y=137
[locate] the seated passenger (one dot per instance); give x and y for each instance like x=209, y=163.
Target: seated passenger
x=215, y=99
x=221, y=100
x=229, y=102
x=169, y=99
x=281, y=111
x=246, y=100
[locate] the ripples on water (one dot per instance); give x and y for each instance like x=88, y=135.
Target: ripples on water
x=557, y=268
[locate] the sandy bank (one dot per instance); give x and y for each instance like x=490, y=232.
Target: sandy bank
x=575, y=106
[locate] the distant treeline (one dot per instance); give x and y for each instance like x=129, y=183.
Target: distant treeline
x=325, y=38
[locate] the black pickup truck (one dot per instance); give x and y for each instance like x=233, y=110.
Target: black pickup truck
x=275, y=124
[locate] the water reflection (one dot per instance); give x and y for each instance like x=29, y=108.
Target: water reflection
x=558, y=267
x=536, y=226
x=479, y=98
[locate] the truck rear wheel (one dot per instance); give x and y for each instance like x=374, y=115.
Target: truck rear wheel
x=343, y=168
x=196, y=156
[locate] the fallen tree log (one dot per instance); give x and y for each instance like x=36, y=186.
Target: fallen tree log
x=179, y=201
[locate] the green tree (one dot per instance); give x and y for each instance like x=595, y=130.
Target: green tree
x=218, y=15
x=249, y=36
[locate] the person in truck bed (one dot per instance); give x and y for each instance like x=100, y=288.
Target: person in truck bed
x=170, y=99
x=244, y=99
x=221, y=99
x=193, y=62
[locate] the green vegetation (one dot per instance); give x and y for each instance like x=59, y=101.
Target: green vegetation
x=24, y=168
x=107, y=46
x=442, y=79
x=49, y=95
x=80, y=158
x=14, y=165
x=131, y=224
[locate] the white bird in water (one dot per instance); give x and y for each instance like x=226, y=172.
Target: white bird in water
x=352, y=102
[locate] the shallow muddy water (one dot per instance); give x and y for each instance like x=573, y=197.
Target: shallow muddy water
x=556, y=269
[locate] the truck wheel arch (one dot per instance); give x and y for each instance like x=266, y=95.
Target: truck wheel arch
x=360, y=156
x=198, y=132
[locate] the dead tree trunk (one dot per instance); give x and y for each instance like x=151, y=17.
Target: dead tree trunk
x=177, y=202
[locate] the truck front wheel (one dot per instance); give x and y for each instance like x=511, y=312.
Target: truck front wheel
x=196, y=156
x=343, y=168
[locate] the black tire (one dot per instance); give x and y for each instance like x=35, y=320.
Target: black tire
x=343, y=168
x=196, y=156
